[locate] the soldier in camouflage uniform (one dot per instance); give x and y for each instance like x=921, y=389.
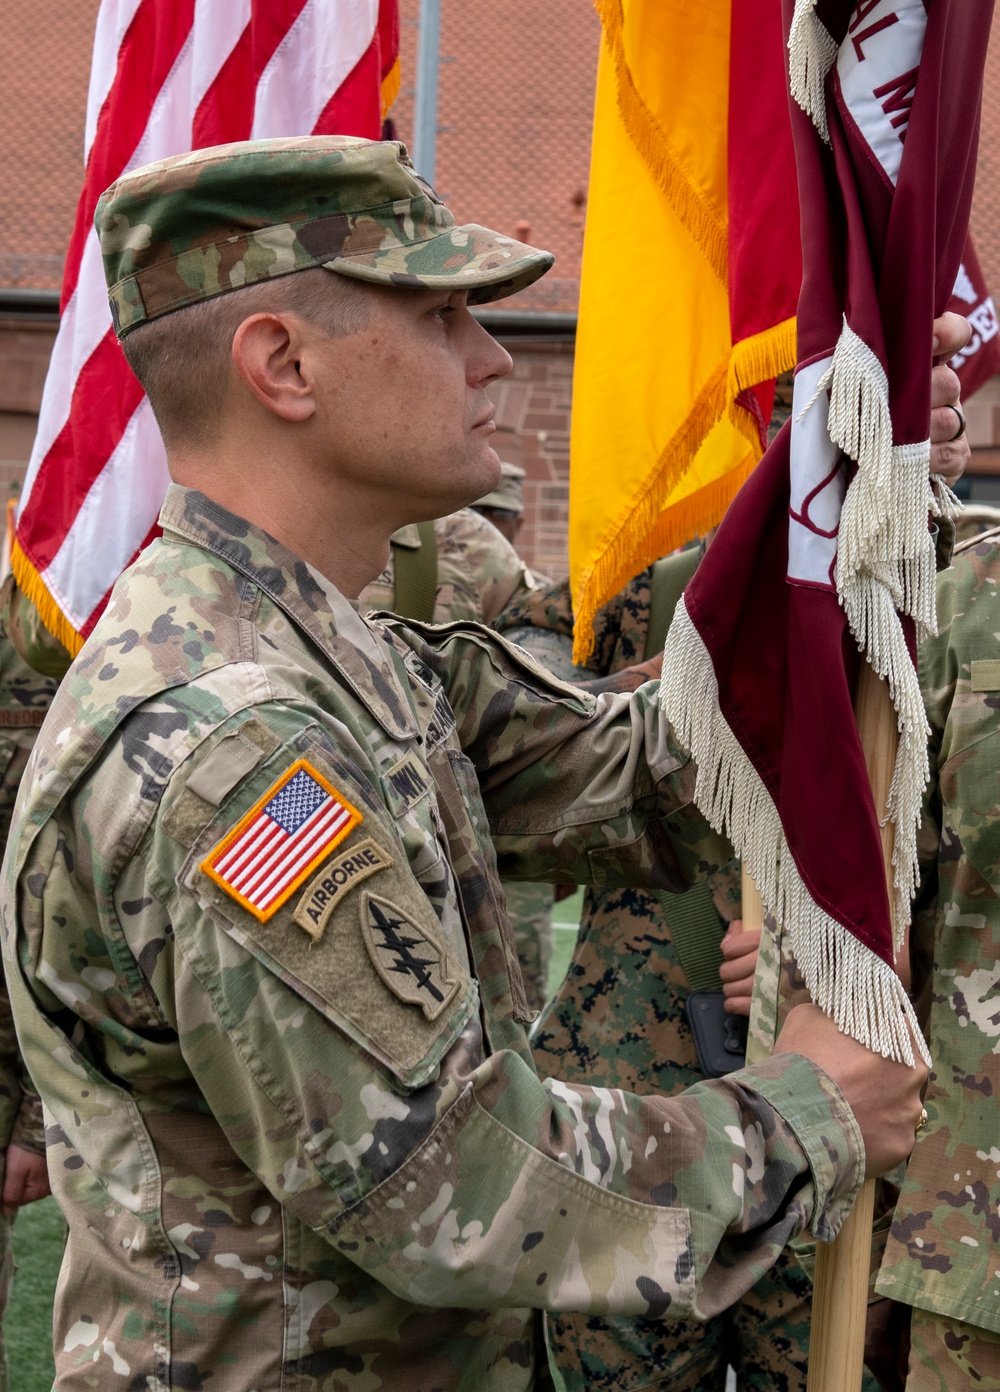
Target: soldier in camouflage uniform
x=24, y=699
x=251, y=911
x=941, y=1256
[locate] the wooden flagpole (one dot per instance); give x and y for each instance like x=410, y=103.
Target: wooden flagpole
x=840, y=1291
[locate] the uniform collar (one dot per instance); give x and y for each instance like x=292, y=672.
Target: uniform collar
x=310, y=600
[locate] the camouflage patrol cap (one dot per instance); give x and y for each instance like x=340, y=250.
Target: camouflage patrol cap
x=201, y=224
x=508, y=495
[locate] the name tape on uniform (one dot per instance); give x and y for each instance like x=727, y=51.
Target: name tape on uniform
x=281, y=840
x=325, y=892
x=409, y=780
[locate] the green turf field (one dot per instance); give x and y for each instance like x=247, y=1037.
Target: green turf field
x=38, y=1244
x=565, y=922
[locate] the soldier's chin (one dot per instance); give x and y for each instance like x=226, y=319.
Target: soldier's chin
x=494, y=460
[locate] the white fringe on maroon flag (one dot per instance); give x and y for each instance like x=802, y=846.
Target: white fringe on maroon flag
x=862, y=994
x=848, y=485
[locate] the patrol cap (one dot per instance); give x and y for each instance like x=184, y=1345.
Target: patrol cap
x=508, y=496
x=201, y=224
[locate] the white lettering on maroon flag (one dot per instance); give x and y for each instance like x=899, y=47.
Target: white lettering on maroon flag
x=817, y=483
x=981, y=313
x=877, y=74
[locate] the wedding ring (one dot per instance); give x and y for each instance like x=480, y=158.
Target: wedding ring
x=923, y=1120
x=960, y=416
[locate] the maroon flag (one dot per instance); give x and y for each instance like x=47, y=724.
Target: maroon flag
x=979, y=360
x=825, y=559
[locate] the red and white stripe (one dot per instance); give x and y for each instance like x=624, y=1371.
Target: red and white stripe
x=167, y=76
x=265, y=860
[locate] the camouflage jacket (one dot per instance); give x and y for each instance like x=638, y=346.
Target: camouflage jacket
x=295, y=1126
x=479, y=572
x=24, y=699
x=942, y=1249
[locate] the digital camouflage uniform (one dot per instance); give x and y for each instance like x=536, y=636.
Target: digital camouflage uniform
x=478, y=575
x=308, y=1148
x=618, y=1020
x=24, y=699
x=941, y=1257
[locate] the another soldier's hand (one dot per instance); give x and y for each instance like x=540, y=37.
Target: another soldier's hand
x=26, y=1179
x=949, y=457
x=628, y=679
x=649, y=669
x=884, y=1096
x=737, y=971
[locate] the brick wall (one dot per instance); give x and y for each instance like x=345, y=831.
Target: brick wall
x=25, y=348
x=533, y=406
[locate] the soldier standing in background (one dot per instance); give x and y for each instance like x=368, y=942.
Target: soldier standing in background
x=940, y=1260
x=24, y=700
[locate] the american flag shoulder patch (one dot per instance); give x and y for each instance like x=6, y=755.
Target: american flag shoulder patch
x=281, y=840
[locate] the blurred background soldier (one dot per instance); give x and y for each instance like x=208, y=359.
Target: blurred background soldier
x=465, y=567
x=941, y=1257
x=24, y=698
x=504, y=507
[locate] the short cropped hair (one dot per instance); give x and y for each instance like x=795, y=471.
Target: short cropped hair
x=182, y=359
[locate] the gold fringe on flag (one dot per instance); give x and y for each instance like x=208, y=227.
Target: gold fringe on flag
x=31, y=584
x=697, y=213
x=662, y=528
x=390, y=88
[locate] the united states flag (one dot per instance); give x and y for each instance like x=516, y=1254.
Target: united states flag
x=281, y=840
x=167, y=76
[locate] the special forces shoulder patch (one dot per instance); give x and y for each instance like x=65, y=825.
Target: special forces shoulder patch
x=414, y=962
x=281, y=840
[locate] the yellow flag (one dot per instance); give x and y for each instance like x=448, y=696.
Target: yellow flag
x=659, y=445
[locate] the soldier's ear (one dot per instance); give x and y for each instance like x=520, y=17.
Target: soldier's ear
x=270, y=353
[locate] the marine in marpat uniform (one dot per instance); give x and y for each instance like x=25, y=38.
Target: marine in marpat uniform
x=252, y=916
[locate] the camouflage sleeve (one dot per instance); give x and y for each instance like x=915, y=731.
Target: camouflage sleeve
x=349, y=1071
x=36, y=648
x=578, y=789
x=938, y=691
x=548, y=607
x=21, y=1120
x=479, y=572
